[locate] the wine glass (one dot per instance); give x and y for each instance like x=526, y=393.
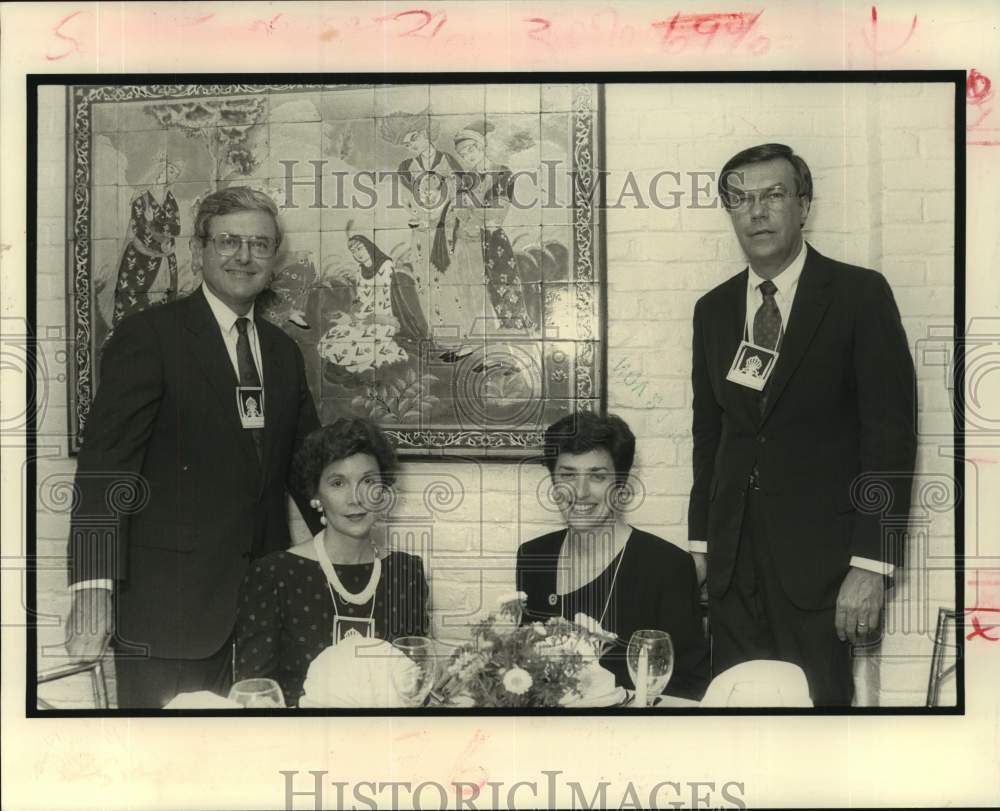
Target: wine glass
x=257, y=694
x=650, y=660
x=413, y=676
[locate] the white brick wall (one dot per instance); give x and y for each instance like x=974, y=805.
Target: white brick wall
x=882, y=170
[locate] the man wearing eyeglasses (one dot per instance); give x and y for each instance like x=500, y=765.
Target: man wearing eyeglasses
x=200, y=408
x=803, y=421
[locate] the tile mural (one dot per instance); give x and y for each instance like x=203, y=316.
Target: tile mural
x=442, y=267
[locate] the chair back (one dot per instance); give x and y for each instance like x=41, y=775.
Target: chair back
x=98, y=683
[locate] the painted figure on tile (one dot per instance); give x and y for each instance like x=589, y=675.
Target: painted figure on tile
x=149, y=249
x=484, y=194
x=284, y=301
x=384, y=317
x=446, y=268
x=417, y=133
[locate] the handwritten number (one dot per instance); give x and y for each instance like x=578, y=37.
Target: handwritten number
x=426, y=19
x=58, y=32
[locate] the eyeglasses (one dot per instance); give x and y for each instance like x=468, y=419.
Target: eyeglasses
x=229, y=244
x=773, y=199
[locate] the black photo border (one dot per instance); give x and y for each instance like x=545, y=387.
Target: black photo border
x=957, y=78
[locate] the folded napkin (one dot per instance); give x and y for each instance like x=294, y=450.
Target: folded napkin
x=357, y=672
x=201, y=700
x=595, y=688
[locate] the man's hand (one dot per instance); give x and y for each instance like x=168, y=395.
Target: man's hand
x=89, y=624
x=701, y=569
x=859, y=605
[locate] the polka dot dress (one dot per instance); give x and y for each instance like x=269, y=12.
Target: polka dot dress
x=285, y=617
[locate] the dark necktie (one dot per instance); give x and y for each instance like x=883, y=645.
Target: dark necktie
x=766, y=326
x=249, y=376
x=767, y=321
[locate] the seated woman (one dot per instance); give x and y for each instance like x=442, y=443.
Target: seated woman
x=599, y=565
x=296, y=603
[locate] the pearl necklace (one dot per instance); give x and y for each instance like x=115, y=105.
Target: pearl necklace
x=362, y=596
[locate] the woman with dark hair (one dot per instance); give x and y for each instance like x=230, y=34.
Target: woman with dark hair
x=599, y=565
x=385, y=322
x=296, y=603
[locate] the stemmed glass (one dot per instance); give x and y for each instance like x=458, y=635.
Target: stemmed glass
x=413, y=678
x=650, y=660
x=257, y=694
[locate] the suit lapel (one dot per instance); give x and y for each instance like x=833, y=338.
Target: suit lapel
x=811, y=301
x=208, y=352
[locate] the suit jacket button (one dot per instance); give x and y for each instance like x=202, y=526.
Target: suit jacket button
x=762, y=439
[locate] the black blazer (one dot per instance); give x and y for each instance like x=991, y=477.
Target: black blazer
x=657, y=588
x=840, y=412
x=171, y=500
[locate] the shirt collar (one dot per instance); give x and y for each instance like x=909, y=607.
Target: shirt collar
x=225, y=316
x=788, y=278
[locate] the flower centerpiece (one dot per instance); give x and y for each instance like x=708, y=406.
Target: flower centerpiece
x=507, y=664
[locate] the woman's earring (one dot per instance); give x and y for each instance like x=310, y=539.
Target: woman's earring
x=314, y=503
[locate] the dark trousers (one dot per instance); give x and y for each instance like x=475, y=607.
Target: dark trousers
x=754, y=619
x=146, y=682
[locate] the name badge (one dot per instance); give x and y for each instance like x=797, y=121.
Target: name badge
x=752, y=366
x=350, y=627
x=250, y=405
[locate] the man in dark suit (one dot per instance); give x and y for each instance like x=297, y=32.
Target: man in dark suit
x=201, y=406
x=804, y=405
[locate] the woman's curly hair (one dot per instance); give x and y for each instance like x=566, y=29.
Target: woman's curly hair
x=342, y=438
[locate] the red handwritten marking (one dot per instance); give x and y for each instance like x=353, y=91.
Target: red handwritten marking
x=268, y=25
x=978, y=87
x=478, y=738
x=406, y=735
x=199, y=20
x=682, y=30
x=539, y=33
x=415, y=32
x=979, y=90
x=979, y=630
x=873, y=42
x=58, y=32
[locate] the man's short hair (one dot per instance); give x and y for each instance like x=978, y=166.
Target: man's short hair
x=767, y=152
x=230, y=201
x=583, y=432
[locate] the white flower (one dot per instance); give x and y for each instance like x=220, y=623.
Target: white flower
x=592, y=626
x=517, y=681
x=512, y=597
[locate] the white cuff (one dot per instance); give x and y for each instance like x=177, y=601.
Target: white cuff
x=701, y=547
x=103, y=583
x=870, y=565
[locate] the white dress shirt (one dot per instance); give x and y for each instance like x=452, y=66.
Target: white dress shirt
x=786, y=282
x=227, y=326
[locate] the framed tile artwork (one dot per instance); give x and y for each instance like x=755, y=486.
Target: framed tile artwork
x=442, y=265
